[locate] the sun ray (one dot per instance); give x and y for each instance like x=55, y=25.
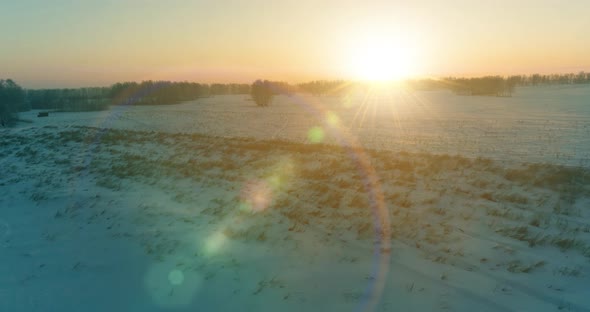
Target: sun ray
x=366, y=106
x=363, y=103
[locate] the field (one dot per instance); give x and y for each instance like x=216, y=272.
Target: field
x=390, y=201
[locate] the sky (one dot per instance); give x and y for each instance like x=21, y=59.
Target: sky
x=75, y=43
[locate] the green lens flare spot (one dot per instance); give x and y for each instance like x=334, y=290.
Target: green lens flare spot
x=315, y=135
x=332, y=119
x=274, y=181
x=214, y=244
x=243, y=206
x=176, y=277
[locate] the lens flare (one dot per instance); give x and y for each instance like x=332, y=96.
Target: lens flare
x=315, y=135
x=214, y=244
x=176, y=277
x=171, y=288
x=332, y=119
x=257, y=195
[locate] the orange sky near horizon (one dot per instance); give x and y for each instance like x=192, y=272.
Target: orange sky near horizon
x=66, y=43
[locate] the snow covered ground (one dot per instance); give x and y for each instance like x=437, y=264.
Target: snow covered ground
x=453, y=203
x=538, y=124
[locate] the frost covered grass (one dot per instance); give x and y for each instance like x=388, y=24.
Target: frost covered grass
x=325, y=189
x=203, y=203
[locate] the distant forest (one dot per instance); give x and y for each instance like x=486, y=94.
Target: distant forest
x=497, y=85
x=484, y=86
x=14, y=98
x=128, y=93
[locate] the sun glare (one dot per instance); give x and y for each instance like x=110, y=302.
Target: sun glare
x=383, y=58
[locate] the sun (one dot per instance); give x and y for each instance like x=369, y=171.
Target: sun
x=383, y=58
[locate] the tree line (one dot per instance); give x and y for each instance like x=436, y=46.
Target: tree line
x=128, y=93
x=14, y=99
x=325, y=87
x=497, y=85
x=538, y=79
x=490, y=86
x=81, y=99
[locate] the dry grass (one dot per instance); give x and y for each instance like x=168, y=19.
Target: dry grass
x=327, y=189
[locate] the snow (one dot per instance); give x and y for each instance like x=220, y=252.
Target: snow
x=207, y=206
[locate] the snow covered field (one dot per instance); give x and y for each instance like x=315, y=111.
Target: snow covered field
x=216, y=205
x=538, y=124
